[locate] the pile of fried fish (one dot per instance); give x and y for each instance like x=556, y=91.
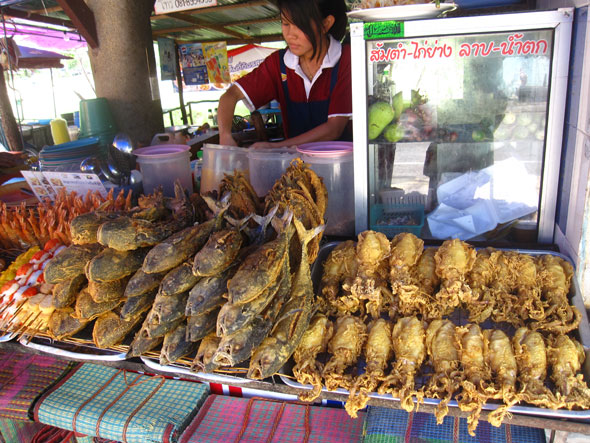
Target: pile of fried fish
x=233, y=286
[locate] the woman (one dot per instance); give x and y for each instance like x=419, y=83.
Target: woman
x=310, y=79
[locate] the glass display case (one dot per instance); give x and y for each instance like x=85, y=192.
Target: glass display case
x=458, y=131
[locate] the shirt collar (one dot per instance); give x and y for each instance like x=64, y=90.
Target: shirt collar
x=330, y=59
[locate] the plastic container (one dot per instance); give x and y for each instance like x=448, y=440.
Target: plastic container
x=267, y=165
x=59, y=131
x=219, y=160
x=394, y=219
x=96, y=118
x=162, y=165
x=332, y=161
x=74, y=131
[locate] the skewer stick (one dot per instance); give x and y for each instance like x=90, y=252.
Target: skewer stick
x=23, y=326
x=31, y=336
x=6, y=306
x=32, y=327
x=19, y=307
x=8, y=320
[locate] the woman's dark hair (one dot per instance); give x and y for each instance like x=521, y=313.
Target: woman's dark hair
x=308, y=15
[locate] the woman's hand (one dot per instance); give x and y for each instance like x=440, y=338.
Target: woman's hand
x=12, y=159
x=265, y=145
x=227, y=140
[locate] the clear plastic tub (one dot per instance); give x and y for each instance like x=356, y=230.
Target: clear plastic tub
x=267, y=165
x=332, y=161
x=219, y=160
x=162, y=165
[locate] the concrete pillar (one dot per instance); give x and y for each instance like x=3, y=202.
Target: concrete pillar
x=124, y=66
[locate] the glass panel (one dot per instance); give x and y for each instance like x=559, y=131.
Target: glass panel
x=456, y=128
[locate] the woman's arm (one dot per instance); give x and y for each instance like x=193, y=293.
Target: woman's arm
x=329, y=131
x=225, y=114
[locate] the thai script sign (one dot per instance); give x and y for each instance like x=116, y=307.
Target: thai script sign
x=512, y=45
x=381, y=30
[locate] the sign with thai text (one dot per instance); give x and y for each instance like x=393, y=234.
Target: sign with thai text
x=167, y=6
x=513, y=45
x=383, y=30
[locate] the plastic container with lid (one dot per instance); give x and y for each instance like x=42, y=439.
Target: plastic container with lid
x=219, y=160
x=332, y=161
x=161, y=165
x=59, y=131
x=267, y=165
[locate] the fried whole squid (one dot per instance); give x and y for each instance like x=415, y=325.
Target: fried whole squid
x=500, y=359
x=427, y=281
x=410, y=351
x=370, y=284
x=531, y=357
x=406, y=250
x=479, y=279
x=476, y=383
x=345, y=348
x=565, y=356
x=560, y=316
x=307, y=369
x=378, y=352
x=340, y=263
x=441, y=347
x=454, y=259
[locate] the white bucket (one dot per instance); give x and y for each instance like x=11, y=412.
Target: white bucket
x=162, y=165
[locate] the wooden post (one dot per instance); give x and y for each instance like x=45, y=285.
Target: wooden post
x=180, y=87
x=9, y=125
x=124, y=65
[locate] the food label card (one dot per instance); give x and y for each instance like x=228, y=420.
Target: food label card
x=39, y=185
x=48, y=184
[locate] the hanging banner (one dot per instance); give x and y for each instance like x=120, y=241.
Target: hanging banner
x=245, y=58
x=166, y=6
x=194, y=70
x=216, y=61
x=167, y=58
x=241, y=60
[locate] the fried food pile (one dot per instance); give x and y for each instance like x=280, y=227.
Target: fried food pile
x=190, y=278
x=23, y=227
x=86, y=281
x=447, y=323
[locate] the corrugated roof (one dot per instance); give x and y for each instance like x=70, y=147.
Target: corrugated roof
x=234, y=21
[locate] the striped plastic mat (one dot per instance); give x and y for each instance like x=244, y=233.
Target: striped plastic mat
x=255, y=420
x=111, y=403
x=384, y=425
x=23, y=377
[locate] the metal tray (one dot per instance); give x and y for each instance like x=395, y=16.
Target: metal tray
x=582, y=334
x=79, y=348
x=175, y=368
x=60, y=349
x=6, y=337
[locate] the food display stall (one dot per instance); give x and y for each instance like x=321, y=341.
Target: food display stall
x=463, y=122
x=419, y=309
